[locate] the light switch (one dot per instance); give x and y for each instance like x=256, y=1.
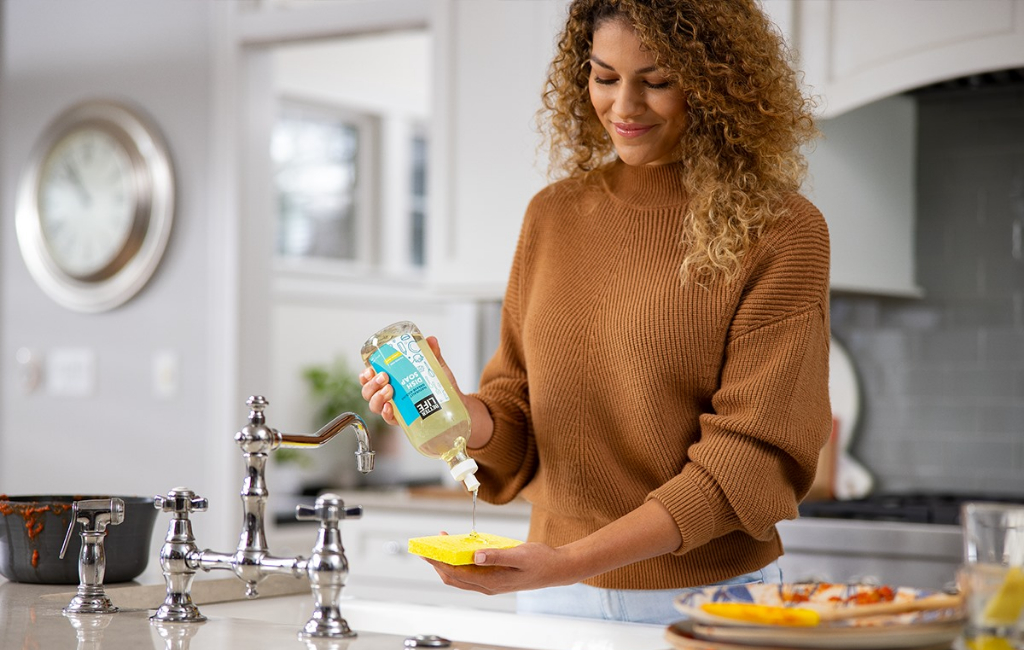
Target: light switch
x=71, y=372
x=165, y=374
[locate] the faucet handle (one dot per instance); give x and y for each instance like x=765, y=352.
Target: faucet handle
x=327, y=567
x=181, y=501
x=329, y=509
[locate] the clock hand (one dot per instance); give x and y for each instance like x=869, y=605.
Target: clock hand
x=76, y=180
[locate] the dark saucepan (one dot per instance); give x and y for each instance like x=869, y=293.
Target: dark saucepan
x=32, y=530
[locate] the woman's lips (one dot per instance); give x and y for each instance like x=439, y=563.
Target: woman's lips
x=628, y=130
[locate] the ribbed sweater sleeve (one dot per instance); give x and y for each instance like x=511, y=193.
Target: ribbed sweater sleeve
x=758, y=446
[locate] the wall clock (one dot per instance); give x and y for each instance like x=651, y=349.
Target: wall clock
x=95, y=206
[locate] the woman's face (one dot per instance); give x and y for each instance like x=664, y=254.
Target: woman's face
x=643, y=112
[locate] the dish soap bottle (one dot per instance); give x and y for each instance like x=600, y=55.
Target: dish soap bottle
x=426, y=405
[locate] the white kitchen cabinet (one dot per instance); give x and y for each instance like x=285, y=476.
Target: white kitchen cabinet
x=857, y=51
x=858, y=56
x=862, y=174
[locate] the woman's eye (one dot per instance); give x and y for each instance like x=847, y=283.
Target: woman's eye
x=604, y=81
x=659, y=85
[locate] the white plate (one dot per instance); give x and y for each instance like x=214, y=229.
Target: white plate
x=681, y=636
x=852, y=480
x=912, y=630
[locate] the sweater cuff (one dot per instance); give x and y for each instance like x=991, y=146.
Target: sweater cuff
x=691, y=509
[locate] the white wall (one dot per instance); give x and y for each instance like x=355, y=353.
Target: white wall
x=122, y=439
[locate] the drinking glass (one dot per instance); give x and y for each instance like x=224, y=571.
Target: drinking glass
x=992, y=576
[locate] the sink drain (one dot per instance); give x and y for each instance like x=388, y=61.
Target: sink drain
x=427, y=641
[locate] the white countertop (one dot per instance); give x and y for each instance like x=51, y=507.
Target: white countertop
x=31, y=617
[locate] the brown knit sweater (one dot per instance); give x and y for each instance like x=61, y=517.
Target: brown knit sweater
x=614, y=384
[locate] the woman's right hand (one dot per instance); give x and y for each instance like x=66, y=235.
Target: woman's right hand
x=378, y=393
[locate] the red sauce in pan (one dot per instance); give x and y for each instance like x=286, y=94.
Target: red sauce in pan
x=34, y=515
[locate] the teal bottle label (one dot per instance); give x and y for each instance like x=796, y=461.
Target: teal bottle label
x=418, y=392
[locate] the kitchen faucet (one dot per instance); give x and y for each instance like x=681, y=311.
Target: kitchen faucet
x=251, y=561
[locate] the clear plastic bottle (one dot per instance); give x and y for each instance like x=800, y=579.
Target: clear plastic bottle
x=426, y=405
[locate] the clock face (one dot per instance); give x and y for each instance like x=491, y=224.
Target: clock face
x=87, y=200
x=95, y=205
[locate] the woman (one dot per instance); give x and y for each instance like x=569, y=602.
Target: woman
x=660, y=390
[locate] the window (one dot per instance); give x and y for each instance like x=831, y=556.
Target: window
x=322, y=168
x=350, y=154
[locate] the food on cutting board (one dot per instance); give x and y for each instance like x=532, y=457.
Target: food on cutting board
x=457, y=549
x=808, y=617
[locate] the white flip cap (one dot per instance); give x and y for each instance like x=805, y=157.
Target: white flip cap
x=466, y=472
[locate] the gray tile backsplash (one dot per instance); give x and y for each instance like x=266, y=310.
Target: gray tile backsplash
x=942, y=376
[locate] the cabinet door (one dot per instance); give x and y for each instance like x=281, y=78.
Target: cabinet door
x=861, y=177
x=857, y=51
x=494, y=55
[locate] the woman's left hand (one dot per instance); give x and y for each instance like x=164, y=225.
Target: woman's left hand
x=499, y=571
x=646, y=532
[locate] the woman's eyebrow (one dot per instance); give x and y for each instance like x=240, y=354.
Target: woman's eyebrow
x=650, y=68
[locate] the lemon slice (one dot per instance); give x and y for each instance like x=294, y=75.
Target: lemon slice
x=1005, y=607
x=988, y=643
x=764, y=614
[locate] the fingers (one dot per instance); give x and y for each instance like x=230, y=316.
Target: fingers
x=436, y=347
x=378, y=393
x=496, y=557
x=468, y=578
x=365, y=376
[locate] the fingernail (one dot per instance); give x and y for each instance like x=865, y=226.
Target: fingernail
x=479, y=557
x=381, y=378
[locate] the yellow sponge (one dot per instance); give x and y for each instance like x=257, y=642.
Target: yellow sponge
x=457, y=549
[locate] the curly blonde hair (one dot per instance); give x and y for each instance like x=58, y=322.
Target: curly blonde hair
x=747, y=117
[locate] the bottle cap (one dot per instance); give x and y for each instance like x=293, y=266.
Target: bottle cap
x=465, y=471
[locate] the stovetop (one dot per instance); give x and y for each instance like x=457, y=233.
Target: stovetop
x=922, y=507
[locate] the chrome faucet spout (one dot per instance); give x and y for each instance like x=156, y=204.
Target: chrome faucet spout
x=364, y=453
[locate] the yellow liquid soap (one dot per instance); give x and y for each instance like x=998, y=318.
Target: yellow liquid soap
x=425, y=403
x=473, y=531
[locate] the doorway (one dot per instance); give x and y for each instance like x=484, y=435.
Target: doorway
x=335, y=133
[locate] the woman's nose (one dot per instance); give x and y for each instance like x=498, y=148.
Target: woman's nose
x=629, y=101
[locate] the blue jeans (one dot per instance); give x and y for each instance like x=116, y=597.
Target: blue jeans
x=652, y=606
